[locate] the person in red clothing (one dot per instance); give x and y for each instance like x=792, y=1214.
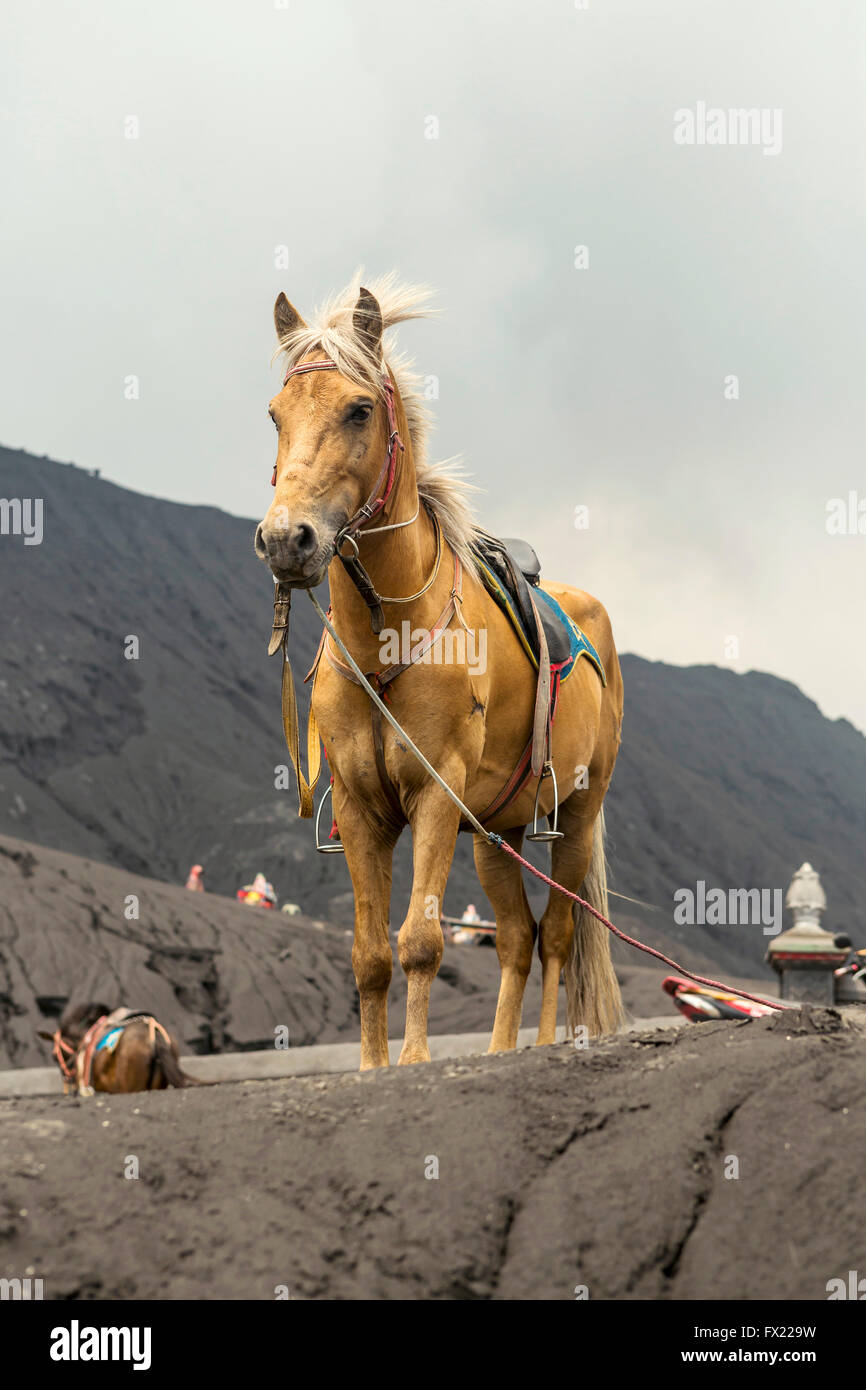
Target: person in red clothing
x=194, y=882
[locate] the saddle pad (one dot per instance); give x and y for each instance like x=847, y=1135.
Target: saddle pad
x=109, y=1042
x=578, y=643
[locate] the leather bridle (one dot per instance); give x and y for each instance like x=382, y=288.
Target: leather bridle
x=351, y=533
x=382, y=489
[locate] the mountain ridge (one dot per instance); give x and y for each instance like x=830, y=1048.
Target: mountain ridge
x=153, y=764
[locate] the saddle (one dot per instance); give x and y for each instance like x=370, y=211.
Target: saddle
x=517, y=567
x=553, y=642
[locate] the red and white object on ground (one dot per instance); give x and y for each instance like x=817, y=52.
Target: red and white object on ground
x=699, y=1003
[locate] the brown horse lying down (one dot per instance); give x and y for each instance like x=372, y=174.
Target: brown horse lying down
x=137, y=1054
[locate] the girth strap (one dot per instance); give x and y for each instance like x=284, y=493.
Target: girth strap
x=535, y=755
x=378, y=729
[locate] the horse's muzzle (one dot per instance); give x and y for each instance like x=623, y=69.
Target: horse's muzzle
x=292, y=552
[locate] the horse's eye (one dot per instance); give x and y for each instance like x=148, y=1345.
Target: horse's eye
x=361, y=414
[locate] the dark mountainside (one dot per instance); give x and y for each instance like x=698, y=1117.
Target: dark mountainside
x=150, y=765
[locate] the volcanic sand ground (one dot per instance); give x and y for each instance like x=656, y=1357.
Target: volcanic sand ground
x=556, y=1168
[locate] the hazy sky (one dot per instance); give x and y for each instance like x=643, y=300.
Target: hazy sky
x=306, y=126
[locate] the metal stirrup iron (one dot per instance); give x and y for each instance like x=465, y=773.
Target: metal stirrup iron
x=326, y=846
x=551, y=833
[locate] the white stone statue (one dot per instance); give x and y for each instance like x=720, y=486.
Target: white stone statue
x=806, y=899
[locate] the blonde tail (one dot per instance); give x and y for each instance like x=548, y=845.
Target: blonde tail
x=591, y=988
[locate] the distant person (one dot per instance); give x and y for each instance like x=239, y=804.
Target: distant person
x=466, y=938
x=259, y=893
x=194, y=882
x=266, y=888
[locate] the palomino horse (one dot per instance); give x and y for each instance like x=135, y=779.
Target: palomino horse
x=406, y=529
x=97, y=1050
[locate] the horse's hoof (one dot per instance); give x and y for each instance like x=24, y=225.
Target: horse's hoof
x=85, y=1091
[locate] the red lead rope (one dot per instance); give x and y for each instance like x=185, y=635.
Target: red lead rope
x=630, y=940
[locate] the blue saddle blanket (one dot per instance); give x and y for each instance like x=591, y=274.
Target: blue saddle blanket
x=578, y=642
x=109, y=1042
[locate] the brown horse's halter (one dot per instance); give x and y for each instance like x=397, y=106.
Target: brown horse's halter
x=351, y=533
x=60, y=1047
x=373, y=505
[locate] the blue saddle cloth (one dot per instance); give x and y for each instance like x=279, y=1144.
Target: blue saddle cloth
x=578, y=642
x=109, y=1042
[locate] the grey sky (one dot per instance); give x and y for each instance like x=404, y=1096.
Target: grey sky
x=305, y=126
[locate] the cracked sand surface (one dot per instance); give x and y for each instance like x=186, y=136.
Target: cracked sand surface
x=556, y=1168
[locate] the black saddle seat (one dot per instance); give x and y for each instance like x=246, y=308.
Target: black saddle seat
x=517, y=567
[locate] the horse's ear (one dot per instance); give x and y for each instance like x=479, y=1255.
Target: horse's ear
x=368, y=321
x=49, y=1037
x=286, y=317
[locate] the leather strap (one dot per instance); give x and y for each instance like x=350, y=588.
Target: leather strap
x=537, y=751
x=516, y=782
x=292, y=736
x=387, y=473
x=86, y=1049
x=379, y=749
x=380, y=679
x=282, y=607
x=365, y=586
x=280, y=641
x=541, y=718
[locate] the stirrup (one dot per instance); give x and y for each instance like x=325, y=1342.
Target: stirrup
x=326, y=846
x=551, y=833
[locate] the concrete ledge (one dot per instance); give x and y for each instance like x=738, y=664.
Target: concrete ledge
x=320, y=1060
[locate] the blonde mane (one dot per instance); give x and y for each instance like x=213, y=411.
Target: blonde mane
x=442, y=487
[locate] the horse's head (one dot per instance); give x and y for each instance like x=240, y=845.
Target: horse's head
x=67, y=1037
x=332, y=436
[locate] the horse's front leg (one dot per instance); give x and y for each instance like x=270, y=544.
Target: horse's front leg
x=434, y=823
x=369, y=850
